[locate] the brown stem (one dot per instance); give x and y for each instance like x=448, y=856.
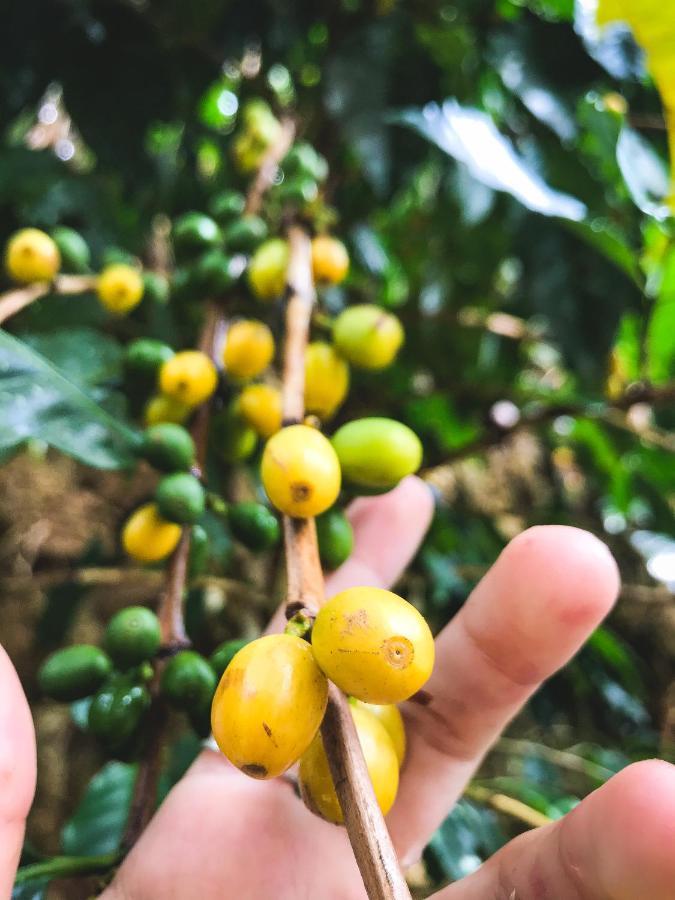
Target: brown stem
x=641, y=392
x=17, y=299
x=268, y=170
x=367, y=831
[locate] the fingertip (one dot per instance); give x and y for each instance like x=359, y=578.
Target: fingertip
x=622, y=836
x=578, y=573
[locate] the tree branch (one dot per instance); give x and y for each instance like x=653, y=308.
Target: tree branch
x=641, y=392
x=268, y=169
x=17, y=299
x=367, y=831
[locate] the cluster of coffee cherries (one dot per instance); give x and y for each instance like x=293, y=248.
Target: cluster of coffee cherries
x=110, y=685
x=271, y=699
x=265, y=700
x=32, y=257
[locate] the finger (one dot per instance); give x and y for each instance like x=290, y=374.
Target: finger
x=387, y=533
x=532, y=611
x=17, y=770
x=617, y=843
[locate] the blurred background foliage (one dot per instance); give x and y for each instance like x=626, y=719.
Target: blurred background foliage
x=499, y=171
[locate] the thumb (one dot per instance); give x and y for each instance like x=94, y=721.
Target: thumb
x=17, y=770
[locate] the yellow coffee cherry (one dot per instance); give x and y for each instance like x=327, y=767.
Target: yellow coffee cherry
x=147, y=536
x=373, y=644
x=260, y=407
x=269, y=705
x=120, y=288
x=267, y=269
x=368, y=336
x=316, y=783
x=248, y=350
x=300, y=471
x=165, y=409
x=330, y=260
x=390, y=716
x=31, y=255
x=189, y=377
x=326, y=379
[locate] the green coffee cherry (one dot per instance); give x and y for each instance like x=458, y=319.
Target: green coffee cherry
x=195, y=231
x=376, y=453
x=303, y=160
x=75, y=254
x=74, y=672
x=156, y=287
x=132, y=636
x=367, y=336
x=212, y=272
x=168, y=447
x=254, y=525
x=336, y=538
x=117, y=711
x=144, y=358
x=188, y=681
x=199, y=551
x=180, y=498
x=300, y=191
x=244, y=235
x=200, y=717
x=223, y=654
x=233, y=440
x=227, y=205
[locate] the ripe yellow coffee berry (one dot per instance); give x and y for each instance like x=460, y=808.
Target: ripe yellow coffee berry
x=330, y=260
x=260, y=407
x=368, y=336
x=373, y=644
x=267, y=269
x=390, y=716
x=326, y=379
x=300, y=471
x=248, y=350
x=147, y=536
x=189, y=377
x=165, y=409
x=269, y=705
x=376, y=453
x=120, y=288
x=316, y=783
x=31, y=255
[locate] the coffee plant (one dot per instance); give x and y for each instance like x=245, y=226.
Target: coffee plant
x=255, y=272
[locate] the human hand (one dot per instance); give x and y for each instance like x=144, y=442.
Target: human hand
x=219, y=833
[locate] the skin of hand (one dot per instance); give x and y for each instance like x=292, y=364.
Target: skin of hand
x=219, y=833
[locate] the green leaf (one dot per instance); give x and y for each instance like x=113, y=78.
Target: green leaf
x=661, y=327
x=35, y=889
x=83, y=355
x=601, y=234
x=472, y=138
x=467, y=837
x=37, y=401
x=644, y=172
x=97, y=824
